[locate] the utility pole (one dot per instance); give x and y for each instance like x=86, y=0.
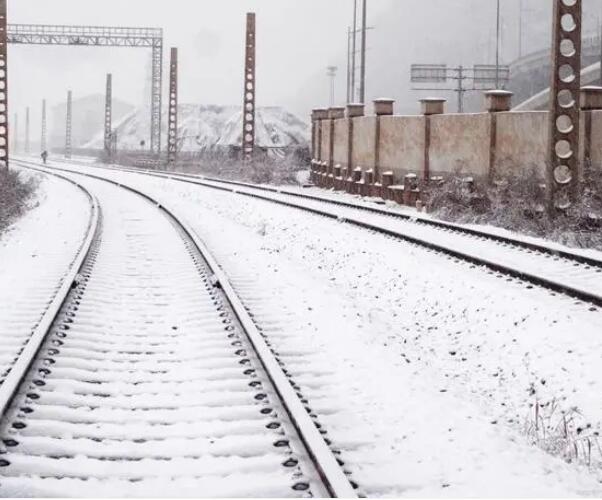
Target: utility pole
x=331, y=72
x=354, y=51
x=520, y=29
x=68, y=127
x=108, y=117
x=44, y=127
x=27, y=130
x=348, y=64
x=363, y=57
x=4, y=134
x=15, y=134
x=172, y=132
x=497, y=48
x=248, y=132
x=562, y=169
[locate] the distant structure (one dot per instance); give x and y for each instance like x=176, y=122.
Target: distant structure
x=43, y=139
x=172, y=116
x=69, y=121
x=27, y=130
x=15, y=133
x=4, y=126
x=248, y=133
x=331, y=72
x=108, y=135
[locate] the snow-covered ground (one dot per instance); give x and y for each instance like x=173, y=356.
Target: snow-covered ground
x=35, y=254
x=427, y=372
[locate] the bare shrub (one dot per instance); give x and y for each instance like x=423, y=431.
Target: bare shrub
x=517, y=203
x=15, y=192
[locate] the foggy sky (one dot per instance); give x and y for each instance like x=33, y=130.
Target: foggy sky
x=297, y=39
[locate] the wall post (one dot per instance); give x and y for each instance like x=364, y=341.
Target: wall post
x=590, y=100
x=354, y=110
x=496, y=101
x=430, y=106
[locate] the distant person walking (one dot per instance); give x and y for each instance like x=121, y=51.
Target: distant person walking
x=44, y=156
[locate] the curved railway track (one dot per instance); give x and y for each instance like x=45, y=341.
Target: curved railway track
x=572, y=274
x=150, y=378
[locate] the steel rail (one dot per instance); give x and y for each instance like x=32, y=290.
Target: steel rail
x=528, y=245
x=333, y=478
x=535, y=279
x=19, y=370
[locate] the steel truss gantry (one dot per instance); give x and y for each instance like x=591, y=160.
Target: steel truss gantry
x=100, y=36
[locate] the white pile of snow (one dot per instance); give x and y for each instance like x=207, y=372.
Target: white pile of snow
x=203, y=127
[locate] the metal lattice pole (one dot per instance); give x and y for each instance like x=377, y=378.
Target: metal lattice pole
x=248, y=134
x=156, y=96
x=68, y=150
x=108, y=117
x=27, y=129
x=172, y=129
x=562, y=172
x=363, y=55
x=4, y=136
x=353, y=51
x=43, y=138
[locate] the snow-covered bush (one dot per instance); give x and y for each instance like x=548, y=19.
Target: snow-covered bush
x=15, y=192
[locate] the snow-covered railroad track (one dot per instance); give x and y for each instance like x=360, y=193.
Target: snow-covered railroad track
x=153, y=380
x=34, y=307
x=569, y=273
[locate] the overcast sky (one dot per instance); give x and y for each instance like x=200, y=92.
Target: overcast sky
x=297, y=39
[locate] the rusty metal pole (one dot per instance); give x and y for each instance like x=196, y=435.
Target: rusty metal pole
x=172, y=131
x=562, y=170
x=108, y=117
x=4, y=135
x=68, y=128
x=43, y=138
x=248, y=133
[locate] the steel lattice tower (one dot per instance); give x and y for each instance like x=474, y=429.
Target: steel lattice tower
x=172, y=132
x=248, y=133
x=562, y=170
x=44, y=127
x=27, y=131
x=102, y=36
x=108, y=117
x=68, y=149
x=4, y=136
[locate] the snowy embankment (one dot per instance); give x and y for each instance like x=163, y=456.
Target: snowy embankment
x=428, y=373
x=35, y=254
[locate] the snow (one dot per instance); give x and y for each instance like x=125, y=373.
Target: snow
x=423, y=369
x=36, y=253
x=206, y=127
x=149, y=393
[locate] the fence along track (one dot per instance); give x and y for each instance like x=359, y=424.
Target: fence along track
x=568, y=273
x=292, y=420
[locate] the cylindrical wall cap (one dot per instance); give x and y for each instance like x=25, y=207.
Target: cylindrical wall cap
x=355, y=109
x=336, y=113
x=383, y=106
x=497, y=101
x=320, y=114
x=433, y=105
x=591, y=98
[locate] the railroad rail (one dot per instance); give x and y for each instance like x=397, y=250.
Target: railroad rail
x=560, y=271
x=151, y=377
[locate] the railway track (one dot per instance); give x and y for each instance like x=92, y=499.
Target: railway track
x=151, y=379
x=573, y=274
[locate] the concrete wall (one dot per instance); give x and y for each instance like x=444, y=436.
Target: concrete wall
x=402, y=144
x=460, y=144
x=341, y=142
x=521, y=142
x=325, y=140
x=364, y=142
